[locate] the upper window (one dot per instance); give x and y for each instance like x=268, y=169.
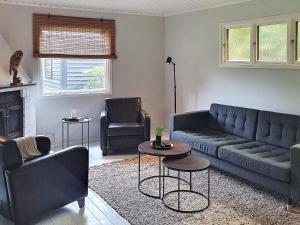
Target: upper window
x=238, y=48
x=272, y=43
x=266, y=42
x=75, y=53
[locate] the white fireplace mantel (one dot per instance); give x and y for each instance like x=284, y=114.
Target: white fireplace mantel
x=28, y=94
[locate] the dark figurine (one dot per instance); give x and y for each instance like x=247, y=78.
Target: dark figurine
x=15, y=61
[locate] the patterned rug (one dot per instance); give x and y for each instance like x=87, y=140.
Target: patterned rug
x=233, y=201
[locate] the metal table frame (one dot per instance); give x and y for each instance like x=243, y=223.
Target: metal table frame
x=178, y=191
x=159, y=176
x=82, y=122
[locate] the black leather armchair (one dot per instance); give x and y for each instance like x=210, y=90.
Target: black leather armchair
x=123, y=124
x=32, y=188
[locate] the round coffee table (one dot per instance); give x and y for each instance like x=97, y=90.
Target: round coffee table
x=179, y=149
x=188, y=164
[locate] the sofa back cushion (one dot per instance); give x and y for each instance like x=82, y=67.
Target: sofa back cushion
x=123, y=110
x=235, y=120
x=278, y=129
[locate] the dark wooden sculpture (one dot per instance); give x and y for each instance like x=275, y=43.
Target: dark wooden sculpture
x=15, y=61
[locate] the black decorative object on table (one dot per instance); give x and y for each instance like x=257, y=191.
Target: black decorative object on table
x=161, y=146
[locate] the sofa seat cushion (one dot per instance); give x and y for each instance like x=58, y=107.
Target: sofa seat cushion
x=207, y=140
x=125, y=129
x=268, y=160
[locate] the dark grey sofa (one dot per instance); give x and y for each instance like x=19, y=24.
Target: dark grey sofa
x=259, y=146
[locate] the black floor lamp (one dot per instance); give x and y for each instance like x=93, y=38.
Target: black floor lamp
x=169, y=61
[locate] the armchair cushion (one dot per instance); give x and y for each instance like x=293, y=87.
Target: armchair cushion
x=43, y=144
x=123, y=110
x=10, y=155
x=125, y=129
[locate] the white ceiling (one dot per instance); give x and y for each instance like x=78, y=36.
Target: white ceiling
x=141, y=7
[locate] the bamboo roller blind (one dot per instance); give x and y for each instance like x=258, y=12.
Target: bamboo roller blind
x=73, y=37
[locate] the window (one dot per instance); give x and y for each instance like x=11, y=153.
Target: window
x=75, y=53
x=238, y=48
x=272, y=43
x=70, y=76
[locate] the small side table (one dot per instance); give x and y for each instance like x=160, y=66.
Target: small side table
x=83, y=121
x=189, y=164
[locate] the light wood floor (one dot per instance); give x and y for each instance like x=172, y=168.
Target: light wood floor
x=96, y=210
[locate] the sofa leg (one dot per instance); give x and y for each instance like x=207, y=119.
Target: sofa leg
x=104, y=152
x=289, y=204
x=81, y=202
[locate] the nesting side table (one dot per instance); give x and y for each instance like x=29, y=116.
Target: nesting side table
x=66, y=123
x=189, y=164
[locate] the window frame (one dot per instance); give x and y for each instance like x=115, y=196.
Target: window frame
x=82, y=92
x=291, y=63
x=225, y=44
x=296, y=32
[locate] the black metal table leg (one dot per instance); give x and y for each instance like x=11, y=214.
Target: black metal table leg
x=81, y=134
x=159, y=174
x=88, y=133
x=62, y=135
x=208, y=186
x=68, y=137
x=178, y=191
x=191, y=181
x=163, y=181
x=139, y=174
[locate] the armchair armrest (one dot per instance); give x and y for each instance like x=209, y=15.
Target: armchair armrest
x=145, y=119
x=10, y=156
x=43, y=144
x=188, y=121
x=295, y=172
x=48, y=182
x=103, y=130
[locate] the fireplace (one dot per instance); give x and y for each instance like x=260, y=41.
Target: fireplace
x=11, y=114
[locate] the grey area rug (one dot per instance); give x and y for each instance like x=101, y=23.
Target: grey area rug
x=233, y=201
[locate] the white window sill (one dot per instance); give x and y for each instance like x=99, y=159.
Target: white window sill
x=74, y=94
x=261, y=65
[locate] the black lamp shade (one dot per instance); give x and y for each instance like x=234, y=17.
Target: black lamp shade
x=169, y=60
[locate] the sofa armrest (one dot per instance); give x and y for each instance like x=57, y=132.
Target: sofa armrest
x=295, y=172
x=188, y=121
x=48, y=182
x=43, y=144
x=145, y=119
x=103, y=130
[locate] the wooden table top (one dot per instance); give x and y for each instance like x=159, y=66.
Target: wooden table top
x=187, y=164
x=179, y=148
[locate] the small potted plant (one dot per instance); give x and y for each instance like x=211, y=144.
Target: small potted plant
x=158, y=133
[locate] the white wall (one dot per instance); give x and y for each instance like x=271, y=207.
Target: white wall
x=193, y=41
x=138, y=71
